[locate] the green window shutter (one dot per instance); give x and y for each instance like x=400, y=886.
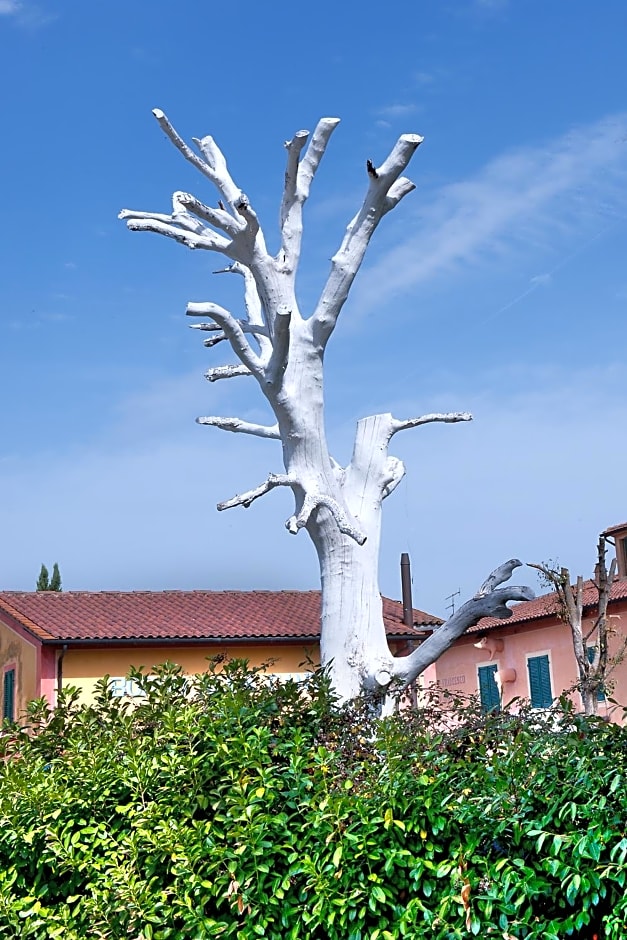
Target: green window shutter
x=488, y=689
x=540, y=681
x=8, y=696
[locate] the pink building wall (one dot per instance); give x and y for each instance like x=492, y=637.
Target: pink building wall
x=457, y=668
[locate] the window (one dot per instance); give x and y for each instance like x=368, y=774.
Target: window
x=592, y=651
x=122, y=687
x=8, y=695
x=540, y=681
x=488, y=689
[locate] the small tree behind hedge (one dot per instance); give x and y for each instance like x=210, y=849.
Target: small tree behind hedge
x=236, y=806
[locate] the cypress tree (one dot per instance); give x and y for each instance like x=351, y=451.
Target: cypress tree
x=43, y=581
x=55, y=580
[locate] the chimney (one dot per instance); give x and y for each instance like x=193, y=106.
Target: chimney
x=408, y=609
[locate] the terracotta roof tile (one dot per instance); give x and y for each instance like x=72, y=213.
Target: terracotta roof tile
x=546, y=606
x=185, y=615
x=614, y=528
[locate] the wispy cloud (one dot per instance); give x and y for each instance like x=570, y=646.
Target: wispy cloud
x=424, y=78
x=391, y=113
x=398, y=110
x=522, y=196
x=27, y=15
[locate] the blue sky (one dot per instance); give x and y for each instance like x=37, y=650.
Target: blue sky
x=499, y=286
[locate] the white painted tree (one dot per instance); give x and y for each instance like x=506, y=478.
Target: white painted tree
x=283, y=349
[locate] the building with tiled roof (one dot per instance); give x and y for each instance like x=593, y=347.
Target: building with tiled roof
x=49, y=637
x=530, y=655
x=546, y=606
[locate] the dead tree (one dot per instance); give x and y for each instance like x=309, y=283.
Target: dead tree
x=591, y=640
x=283, y=349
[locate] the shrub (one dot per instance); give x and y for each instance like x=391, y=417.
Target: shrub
x=238, y=806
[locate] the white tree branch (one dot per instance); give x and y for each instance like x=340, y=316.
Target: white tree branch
x=280, y=346
x=399, y=157
x=294, y=148
x=314, y=501
x=226, y=372
x=492, y=603
x=451, y=418
x=385, y=190
x=184, y=219
x=234, y=333
x=396, y=469
x=298, y=179
x=214, y=340
x=245, y=499
x=498, y=576
x=218, y=173
x=219, y=335
x=148, y=222
x=154, y=216
x=213, y=166
x=219, y=218
x=244, y=325
x=315, y=152
x=246, y=243
x=253, y=305
x=242, y=427
x=401, y=188
x=181, y=146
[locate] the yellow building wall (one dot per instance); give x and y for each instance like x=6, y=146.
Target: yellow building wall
x=84, y=667
x=19, y=652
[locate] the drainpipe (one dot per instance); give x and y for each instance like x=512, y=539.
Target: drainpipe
x=60, y=668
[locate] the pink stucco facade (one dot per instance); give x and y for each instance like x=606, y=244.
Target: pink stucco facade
x=511, y=645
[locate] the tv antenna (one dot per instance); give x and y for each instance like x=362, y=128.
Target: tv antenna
x=451, y=598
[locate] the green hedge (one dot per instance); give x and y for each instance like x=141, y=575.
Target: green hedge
x=241, y=807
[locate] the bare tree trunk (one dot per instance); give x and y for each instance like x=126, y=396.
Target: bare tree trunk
x=593, y=670
x=339, y=507
x=590, y=705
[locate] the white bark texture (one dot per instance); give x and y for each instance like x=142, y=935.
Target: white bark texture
x=283, y=349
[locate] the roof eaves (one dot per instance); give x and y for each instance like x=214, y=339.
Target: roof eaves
x=25, y=622
x=177, y=640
